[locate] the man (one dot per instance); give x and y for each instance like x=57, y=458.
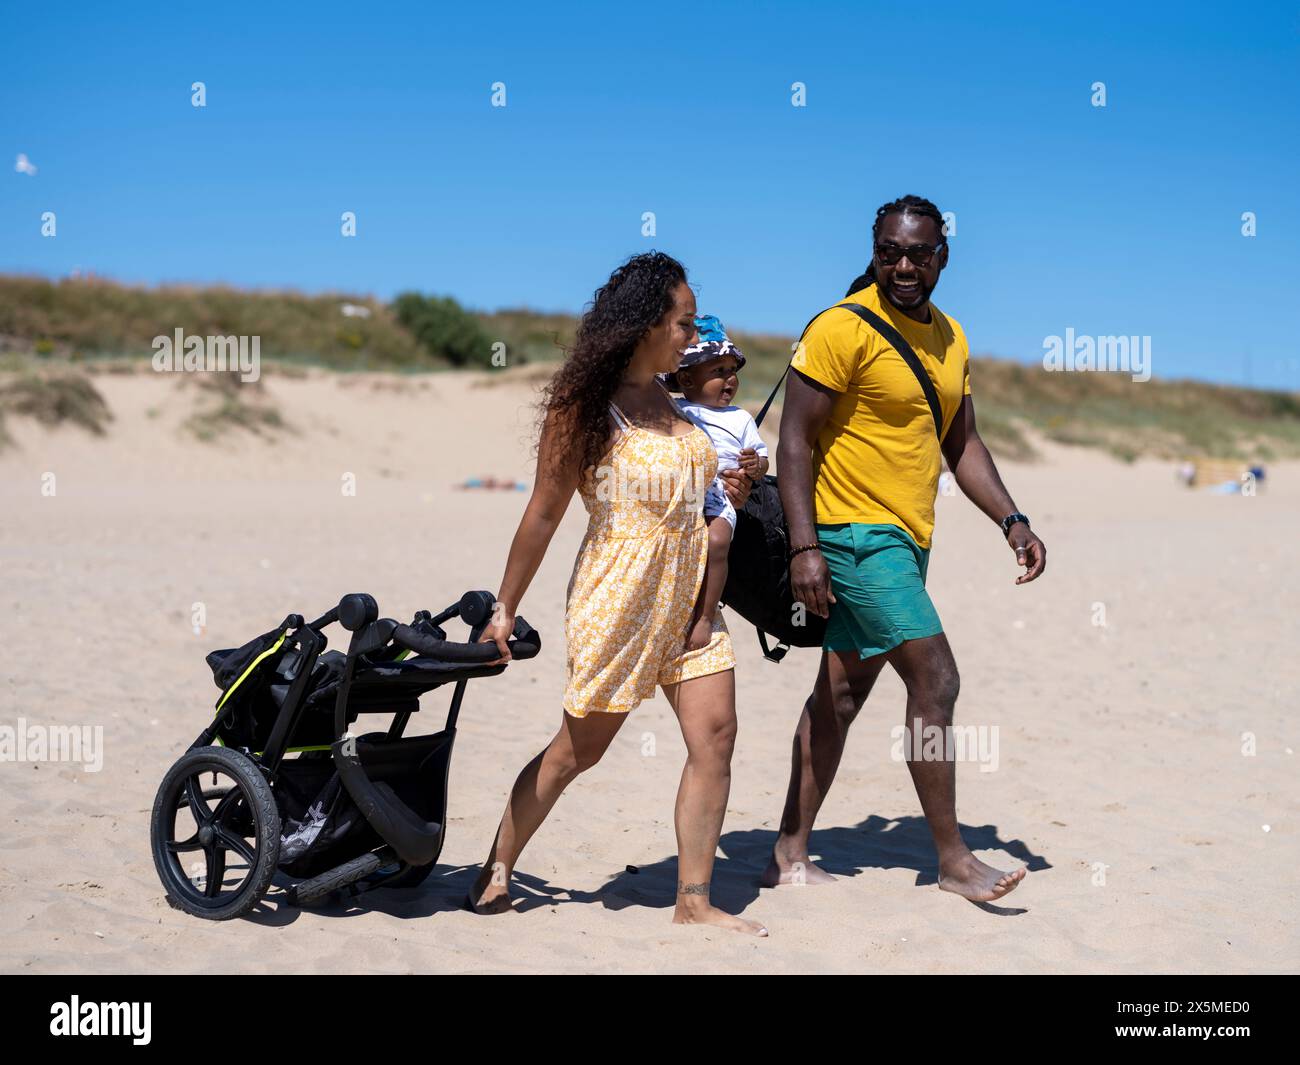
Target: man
x=859, y=461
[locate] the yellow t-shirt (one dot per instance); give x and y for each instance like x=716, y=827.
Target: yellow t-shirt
x=877, y=459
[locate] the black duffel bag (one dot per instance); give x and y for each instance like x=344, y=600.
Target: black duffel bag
x=758, y=575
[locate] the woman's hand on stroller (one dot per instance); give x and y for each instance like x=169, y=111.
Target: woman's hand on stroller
x=498, y=631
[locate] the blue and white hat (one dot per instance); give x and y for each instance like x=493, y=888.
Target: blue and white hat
x=713, y=343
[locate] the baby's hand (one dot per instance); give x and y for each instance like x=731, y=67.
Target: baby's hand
x=749, y=461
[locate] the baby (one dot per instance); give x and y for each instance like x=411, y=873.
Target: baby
x=706, y=377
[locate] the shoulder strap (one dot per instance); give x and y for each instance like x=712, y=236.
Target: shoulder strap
x=619, y=416
x=758, y=418
x=895, y=340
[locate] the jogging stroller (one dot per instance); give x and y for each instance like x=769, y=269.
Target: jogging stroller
x=345, y=813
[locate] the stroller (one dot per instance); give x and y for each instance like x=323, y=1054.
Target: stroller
x=345, y=813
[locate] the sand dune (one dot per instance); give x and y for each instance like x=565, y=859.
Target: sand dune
x=1120, y=745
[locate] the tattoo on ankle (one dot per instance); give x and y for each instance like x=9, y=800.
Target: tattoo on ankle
x=692, y=889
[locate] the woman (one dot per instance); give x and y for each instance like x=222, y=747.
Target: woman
x=612, y=433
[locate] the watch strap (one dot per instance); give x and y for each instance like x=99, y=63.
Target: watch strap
x=1014, y=519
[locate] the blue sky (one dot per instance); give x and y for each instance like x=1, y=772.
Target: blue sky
x=1117, y=220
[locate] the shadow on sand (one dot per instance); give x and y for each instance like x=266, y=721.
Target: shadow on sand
x=876, y=843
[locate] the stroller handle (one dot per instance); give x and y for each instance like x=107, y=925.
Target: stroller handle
x=526, y=644
x=328, y=618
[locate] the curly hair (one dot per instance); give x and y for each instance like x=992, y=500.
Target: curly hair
x=903, y=205
x=624, y=309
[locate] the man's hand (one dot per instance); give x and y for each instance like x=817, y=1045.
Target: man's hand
x=810, y=580
x=737, y=485
x=1030, y=551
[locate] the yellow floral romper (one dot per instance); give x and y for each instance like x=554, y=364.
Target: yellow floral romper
x=639, y=572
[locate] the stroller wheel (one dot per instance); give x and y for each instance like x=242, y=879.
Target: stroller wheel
x=215, y=847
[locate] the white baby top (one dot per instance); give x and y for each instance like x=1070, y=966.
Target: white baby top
x=731, y=429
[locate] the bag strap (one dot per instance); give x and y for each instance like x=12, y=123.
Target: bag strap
x=772, y=654
x=895, y=340
x=758, y=420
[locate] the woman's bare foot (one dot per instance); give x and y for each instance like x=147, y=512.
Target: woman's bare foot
x=786, y=868
x=972, y=879
x=490, y=895
x=711, y=915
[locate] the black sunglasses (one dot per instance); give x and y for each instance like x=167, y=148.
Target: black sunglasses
x=919, y=254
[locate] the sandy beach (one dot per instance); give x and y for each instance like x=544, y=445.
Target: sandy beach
x=1154, y=844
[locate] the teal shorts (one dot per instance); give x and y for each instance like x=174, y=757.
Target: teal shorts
x=878, y=577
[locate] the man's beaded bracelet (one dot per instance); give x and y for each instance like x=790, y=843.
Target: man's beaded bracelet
x=802, y=548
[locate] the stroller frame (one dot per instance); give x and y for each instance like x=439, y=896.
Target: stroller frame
x=386, y=792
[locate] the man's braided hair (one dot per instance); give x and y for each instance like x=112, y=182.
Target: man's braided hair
x=903, y=205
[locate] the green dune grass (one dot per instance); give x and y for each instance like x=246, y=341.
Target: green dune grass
x=48, y=328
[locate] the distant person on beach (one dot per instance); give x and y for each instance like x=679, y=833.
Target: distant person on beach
x=612, y=433
x=859, y=460
x=707, y=379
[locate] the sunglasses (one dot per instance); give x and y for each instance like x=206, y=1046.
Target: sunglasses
x=919, y=254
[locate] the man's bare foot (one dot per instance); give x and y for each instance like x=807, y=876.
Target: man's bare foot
x=799, y=871
x=972, y=879
x=488, y=898
x=711, y=915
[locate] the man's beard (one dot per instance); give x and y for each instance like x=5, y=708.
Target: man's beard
x=916, y=297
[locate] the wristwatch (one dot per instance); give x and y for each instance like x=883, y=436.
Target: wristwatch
x=1012, y=519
